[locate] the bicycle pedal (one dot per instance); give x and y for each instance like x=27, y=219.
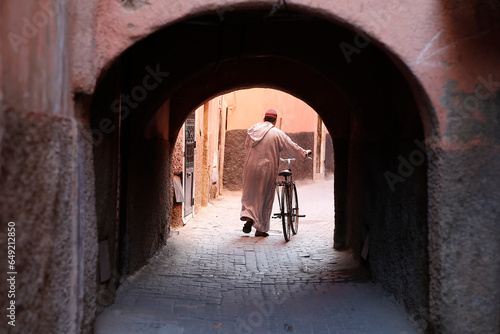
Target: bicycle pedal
x=301, y=215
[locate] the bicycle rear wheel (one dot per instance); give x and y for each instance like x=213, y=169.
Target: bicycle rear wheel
x=286, y=212
x=295, y=210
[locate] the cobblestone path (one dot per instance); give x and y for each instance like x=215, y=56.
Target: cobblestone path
x=213, y=278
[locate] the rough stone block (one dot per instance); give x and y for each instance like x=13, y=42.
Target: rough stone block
x=39, y=193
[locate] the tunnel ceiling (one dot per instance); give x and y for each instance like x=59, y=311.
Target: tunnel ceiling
x=299, y=54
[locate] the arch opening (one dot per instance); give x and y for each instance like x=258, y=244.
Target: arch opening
x=367, y=104
x=209, y=152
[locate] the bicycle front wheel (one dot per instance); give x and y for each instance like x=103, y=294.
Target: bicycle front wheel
x=286, y=211
x=295, y=210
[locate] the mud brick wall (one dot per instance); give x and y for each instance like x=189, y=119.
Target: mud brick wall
x=235, y=157
x=177, y=158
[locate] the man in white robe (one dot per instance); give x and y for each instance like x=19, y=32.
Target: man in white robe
x=263, y=146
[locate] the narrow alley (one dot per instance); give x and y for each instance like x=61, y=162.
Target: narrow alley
x=213, y=278
x=122, y=122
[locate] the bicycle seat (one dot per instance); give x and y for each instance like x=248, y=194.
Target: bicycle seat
x=285, y=172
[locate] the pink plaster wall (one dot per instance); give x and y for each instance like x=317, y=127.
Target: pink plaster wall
x=34, y=36
x=248, y=106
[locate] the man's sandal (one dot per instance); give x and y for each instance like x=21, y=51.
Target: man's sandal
x=261, y=234
x=247, y=228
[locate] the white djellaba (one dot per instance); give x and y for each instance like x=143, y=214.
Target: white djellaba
x=263, y=146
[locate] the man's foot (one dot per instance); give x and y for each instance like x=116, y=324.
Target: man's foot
x=261, y=234
x=248, y=226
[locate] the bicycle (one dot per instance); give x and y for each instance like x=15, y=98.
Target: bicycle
x=288, y=202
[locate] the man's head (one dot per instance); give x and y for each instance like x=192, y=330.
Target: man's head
x=271, y=116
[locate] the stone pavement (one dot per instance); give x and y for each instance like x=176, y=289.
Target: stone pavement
x=213, y=278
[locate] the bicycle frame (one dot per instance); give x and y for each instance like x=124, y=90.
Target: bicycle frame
x=288, y=202
x=281, y=183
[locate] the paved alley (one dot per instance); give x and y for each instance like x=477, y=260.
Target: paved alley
x=213, y=278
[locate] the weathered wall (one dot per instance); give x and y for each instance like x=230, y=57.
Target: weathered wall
x=329, y=156
x=341, y=157
x=56, y=237
x=302, y=169
x=148, y=202
x=465, y=226
x=37, y=185
x=198, y=160
x=234, y=158
x=387, y=192
x=46, y=173
x=146, y=167
x=88, y=234
x=203, y=150
x=105, y=150
x=213, y=128
x=466, y=288
x=177, y=169
x=394, y=215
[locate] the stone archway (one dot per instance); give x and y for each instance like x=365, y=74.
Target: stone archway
x=61, y=188
x=367, y=104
